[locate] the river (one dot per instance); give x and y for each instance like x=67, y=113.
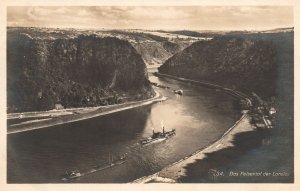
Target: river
x=200, y=117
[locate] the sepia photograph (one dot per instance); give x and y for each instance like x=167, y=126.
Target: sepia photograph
x=149, y=94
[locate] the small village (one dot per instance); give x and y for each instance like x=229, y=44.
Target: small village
x=262, y=113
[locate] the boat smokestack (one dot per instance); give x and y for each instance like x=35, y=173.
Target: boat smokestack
x=153, y=131
x=163, y=127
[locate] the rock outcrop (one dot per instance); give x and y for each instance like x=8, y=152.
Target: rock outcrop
x=49, y=68
x=154, y=49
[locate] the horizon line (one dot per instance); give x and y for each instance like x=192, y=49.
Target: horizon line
x=99, y=29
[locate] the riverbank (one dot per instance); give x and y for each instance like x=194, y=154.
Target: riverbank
x=242, y=155
x=176, y=171
x=229, y=91
x=38, y=120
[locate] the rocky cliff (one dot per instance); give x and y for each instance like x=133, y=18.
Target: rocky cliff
x=154, y=49
x=47, y=68
x=248, y=65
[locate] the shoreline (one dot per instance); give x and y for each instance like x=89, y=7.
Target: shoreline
x=229, y=91
x=176, y=170
x=58, y=117
x=172, y=172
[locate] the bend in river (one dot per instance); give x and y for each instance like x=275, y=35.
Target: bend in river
x=200, y=117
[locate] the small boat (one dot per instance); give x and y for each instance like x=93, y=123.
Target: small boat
x=179, y=92
x=111, y=163
x=71, y=175
x=158, y=136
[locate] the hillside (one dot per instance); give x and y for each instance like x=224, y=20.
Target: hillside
x=155, y=48
x=71, y=68
x=247, y=65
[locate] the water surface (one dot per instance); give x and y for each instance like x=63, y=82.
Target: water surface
x=200, y=116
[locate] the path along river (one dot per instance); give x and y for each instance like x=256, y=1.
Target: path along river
x=200, y=117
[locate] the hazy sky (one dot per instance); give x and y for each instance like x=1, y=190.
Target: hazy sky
x=172, y=18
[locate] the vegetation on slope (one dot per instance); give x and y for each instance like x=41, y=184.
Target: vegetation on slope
x=154, y=49
x=84, y=70
x=233, y=62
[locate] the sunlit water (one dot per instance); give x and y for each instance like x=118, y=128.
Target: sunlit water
x=200, y=117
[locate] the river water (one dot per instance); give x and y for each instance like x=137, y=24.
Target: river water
x=200, y=117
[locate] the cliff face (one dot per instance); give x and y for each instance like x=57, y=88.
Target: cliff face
x=154, y=49
x=152, y=52
x=44, y=69
x=247, y=65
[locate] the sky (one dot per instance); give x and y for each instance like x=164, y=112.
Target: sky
x=153, y=18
